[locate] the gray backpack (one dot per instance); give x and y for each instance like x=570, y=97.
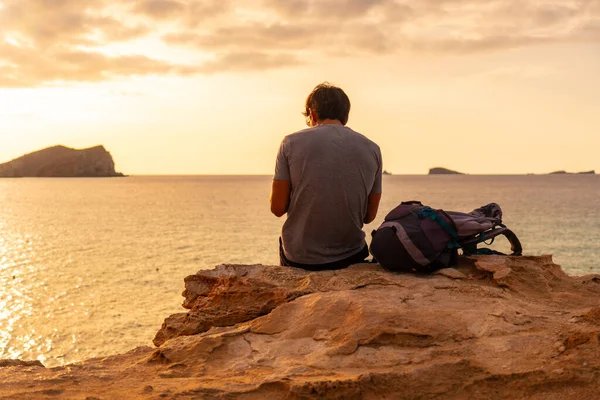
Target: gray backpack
x=418, y=238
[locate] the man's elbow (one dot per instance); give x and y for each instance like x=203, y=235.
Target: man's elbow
x=372, y=207
x=369, y=218
x=371, y=214
x=278, y=211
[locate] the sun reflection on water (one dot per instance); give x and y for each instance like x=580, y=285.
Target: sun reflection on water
x=17, y=277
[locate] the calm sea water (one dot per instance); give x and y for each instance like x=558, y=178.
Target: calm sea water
x=91, y=267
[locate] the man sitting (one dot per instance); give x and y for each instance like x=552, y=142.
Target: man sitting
x=328, y=180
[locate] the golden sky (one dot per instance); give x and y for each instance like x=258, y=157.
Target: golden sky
x=211, y=87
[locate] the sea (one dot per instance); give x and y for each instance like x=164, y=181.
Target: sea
x=91, y=267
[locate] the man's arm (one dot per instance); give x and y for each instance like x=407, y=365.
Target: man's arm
x=280, y=197
x=281, y=189
x=372, y=207
x=375, y=195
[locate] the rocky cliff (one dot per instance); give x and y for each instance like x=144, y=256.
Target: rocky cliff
x=494, y=327
x=61, y=161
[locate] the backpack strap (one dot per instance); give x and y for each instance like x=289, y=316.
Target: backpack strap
x=470, y=245
x=515, y=243
x=428, y=212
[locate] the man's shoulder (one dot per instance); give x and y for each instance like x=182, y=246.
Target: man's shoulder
x=366, y=140
x=298, y=137
x=315, y=133
x=299, y=134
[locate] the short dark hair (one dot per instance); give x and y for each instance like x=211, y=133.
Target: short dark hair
x=329, y=102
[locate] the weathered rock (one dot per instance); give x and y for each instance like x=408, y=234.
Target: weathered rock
x=452, y=273
x=494, y=327
x=230, y=300
x=19, y=363
x=61, y=161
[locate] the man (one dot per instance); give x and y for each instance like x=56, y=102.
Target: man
x=328, y=180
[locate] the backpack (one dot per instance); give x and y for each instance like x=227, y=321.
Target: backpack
x=414, y=237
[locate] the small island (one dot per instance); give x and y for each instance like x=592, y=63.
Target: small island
x=386, y=172
x=62, y=162
x=443, y=171
x=592, y=172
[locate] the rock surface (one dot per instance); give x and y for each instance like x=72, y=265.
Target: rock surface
x=61, y=161
x=494, y=327
x=443, y=171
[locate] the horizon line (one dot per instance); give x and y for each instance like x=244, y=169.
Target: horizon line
x=392, y=174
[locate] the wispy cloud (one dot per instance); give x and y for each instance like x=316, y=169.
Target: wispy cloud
x=248, y=61
x=64, y=41
x=24, y=67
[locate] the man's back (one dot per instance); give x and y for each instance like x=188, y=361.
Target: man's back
x=332, y=170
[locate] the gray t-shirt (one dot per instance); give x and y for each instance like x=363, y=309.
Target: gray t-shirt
x=332, y=170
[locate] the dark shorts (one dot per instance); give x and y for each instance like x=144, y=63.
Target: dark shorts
x=346, y=262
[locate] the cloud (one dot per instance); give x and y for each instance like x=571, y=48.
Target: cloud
x=245, y=61
x=67, y=40
x=64, y=22
x=253, y=36
x=359, y=27
x=326, y=9
x=27, y=68
x=190, y=13
x=159, y=9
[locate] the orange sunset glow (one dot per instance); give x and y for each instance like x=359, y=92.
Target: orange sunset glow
x=211, y=87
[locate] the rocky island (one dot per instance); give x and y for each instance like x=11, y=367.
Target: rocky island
x=592, y=172
x=443, y=171
x=493, y=327
x=61, y=161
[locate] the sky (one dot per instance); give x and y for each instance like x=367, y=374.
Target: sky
x=212, y=86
